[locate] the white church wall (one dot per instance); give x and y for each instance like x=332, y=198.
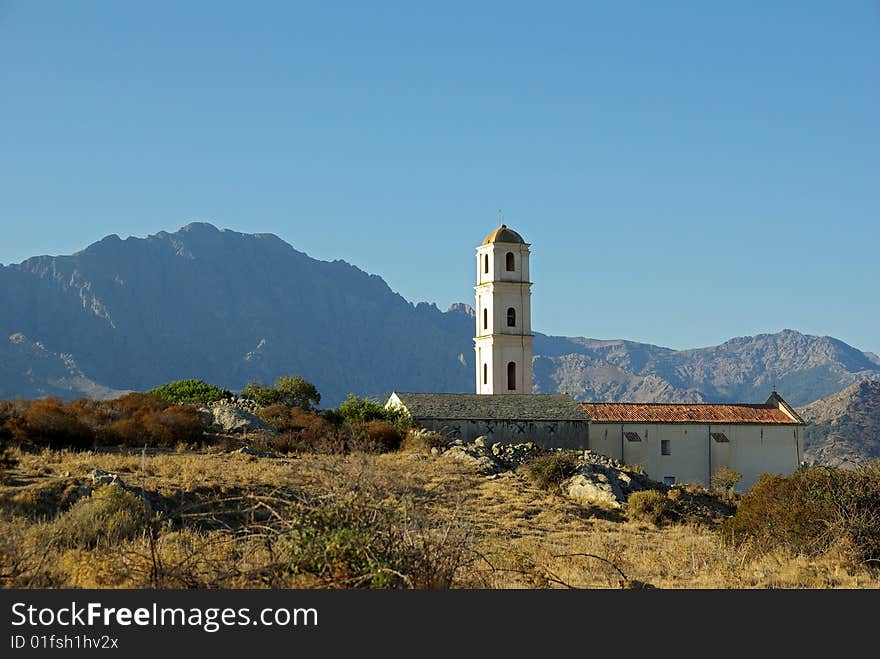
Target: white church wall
x=757, y=450
x=605, y=439
x=687, y=460
x=751, y=450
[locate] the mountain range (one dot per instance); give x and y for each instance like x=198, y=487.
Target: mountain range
x=844, y=428
x=230, y=308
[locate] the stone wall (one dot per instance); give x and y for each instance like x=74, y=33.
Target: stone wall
x=550, y=434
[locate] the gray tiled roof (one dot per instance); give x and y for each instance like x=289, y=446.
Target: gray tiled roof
x=515, y=407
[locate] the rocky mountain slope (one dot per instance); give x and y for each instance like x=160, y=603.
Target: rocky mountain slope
x=229, y=308
x=223, y=306
x=802, y=368
x=844, y=428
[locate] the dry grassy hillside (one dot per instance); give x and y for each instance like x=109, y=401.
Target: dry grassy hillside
x=210, y=519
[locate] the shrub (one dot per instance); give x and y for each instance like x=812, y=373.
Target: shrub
x=136, y=404
x=301, y=430
x=376, y=437
x=724, y=482
x=190, y=391
x=105, y=519
x=422, y=441
x=363, y=410
x=353, y=543
x=277, y=416
x=811, y=512
x=549, y=471
x=125, y=432
x=725, y=479
x=647, y=506
x=46, y=422
x=6, y=413
x=168, y=427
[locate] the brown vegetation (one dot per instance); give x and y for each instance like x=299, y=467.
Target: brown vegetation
x=135, y=420
x=197, y=519
x=812, y=513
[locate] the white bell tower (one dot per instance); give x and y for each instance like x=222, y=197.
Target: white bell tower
x=503, y=342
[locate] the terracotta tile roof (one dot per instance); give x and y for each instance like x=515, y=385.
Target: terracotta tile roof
x=686, y=413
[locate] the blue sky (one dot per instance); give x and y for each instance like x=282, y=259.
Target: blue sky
x=686, y=171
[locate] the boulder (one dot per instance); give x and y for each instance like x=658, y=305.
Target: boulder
x=588, y=488
x=231, y=419
x=101, y=477
x=602, y=480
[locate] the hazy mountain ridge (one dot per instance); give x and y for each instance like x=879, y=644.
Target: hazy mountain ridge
x=231, y=307
x=844, y=428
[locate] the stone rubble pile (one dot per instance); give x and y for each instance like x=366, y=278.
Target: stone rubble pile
x=246, y=404
x=491, y=459
x=599, y=478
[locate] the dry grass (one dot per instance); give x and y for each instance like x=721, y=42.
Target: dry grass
x=226, y=520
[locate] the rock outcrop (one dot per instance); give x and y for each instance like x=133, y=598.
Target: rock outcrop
x=232, y=418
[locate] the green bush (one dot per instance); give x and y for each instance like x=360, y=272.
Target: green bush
x=189, y=391
x=549, y=471
x=811, y=512
x=725, y=479
x=648, y=506
x=355, y=543
x=363, y=410
x=104, y=519
x=724, y=482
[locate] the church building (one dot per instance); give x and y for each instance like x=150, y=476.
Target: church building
x=673, y=442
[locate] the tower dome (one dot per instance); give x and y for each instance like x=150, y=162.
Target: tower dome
x=503, y=235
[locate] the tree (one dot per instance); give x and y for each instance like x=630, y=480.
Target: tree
x=262, y=394
x=296, y=391
x=293, y=391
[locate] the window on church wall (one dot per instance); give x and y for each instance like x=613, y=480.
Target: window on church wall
x=511, y=264
x=665, y=447
x=511, y=376
x=485, y=319
x=485, y=374
x=486, y=264
x=511, y=317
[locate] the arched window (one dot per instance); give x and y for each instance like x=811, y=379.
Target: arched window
x=511, y=376
x=485, y=319
x=511, y=317
x=485, y=374
x=486, y=263
x=511, y=266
